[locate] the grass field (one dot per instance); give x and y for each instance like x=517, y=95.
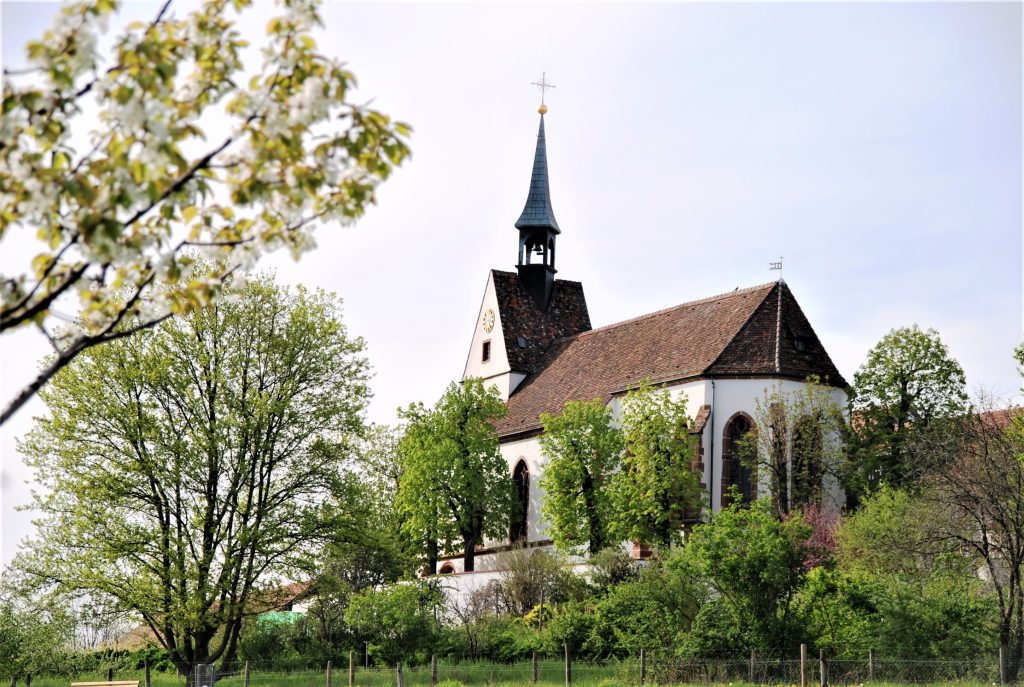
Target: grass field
x=551, y=673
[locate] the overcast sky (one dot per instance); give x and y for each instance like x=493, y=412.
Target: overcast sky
x=876, y=146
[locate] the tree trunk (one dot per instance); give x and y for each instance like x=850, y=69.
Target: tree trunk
x=469, y=556
x=432, y=556
x=593, y=521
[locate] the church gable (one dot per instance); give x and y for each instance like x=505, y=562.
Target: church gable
x=487, y=354
x=777, y=340
x=529, y=331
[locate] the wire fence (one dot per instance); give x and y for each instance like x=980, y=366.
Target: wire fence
x=643, y=669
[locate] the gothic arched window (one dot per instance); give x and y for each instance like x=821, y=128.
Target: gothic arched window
x=520, y=516
x=808, y=453
x=735, y=471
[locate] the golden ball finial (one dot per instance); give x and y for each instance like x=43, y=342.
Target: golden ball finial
x=542, y=109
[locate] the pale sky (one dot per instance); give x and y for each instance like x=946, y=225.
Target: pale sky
x=877, y=146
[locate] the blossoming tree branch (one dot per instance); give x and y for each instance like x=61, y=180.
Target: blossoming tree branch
x=145, y=217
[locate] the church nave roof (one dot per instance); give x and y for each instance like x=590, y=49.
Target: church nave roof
x=758, y=331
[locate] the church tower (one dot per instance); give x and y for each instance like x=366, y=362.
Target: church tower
x=538, y=230
x=524, y=312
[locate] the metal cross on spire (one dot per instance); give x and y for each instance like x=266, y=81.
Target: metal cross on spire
x=543, y=85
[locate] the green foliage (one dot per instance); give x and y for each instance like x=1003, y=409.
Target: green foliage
x=583, y=449
x=401, y=619
x=878, y=536
x=651, y=608
x=754, y=564
x=183, y=471
x=611, y=567
x=571, y=626
x=33, y=637
x=656, y=488
x=908, y=380
x=939, y=615
x=529, y=576
x=454, y=488
x=119, y=216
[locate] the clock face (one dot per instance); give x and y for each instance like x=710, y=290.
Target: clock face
x=488, y=320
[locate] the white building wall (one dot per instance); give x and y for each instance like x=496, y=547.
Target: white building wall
x=496, y=371
x=732, y=396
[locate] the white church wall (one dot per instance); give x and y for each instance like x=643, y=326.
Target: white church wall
x=529, y=450
x=732, y=396
x=495, y=371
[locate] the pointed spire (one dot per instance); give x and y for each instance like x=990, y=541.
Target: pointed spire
x=538, y=211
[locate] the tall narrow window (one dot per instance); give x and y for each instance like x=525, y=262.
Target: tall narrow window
x=486, y=355
x=520, y=516
x=807, y=457
x=735, y=473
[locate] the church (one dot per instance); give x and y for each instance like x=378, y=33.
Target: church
x=533, y=340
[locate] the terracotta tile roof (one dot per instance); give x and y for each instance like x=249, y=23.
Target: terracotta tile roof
x=778, y=340
x=520, y=317
x=1000, y=418
x=730, y=334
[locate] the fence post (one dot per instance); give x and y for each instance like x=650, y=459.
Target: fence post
x=197, y=677
x=822, y=668
x=643, y=666
x=1002, y=664
x=329, y=676
x=871, y=665
x=568, y=666
x=146, y=674
x=753, y=664
x=351, y=669
x=803, y=665
x=245, y=675
x=110, y=674
x=401, y=675
x=213, y=674
x=433, y=670
x=533, y=665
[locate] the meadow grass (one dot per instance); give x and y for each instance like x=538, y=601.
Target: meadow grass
x=550, y=674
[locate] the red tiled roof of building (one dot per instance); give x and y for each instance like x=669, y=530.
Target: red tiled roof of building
x=520, y=317
x=741, y=333
x=1000, y=418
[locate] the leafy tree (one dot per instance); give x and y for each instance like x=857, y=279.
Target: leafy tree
x=455, y=487
x=117, y=211
x=796, y=440
x=368, y=550
x=400, y=619
x=33, y=636
x=185, y=471
x=754, y=565
x=970, y=505
x=656, y=487
x=908, y=380
x=530, y=577
x=894, y=590
x=653, y=609
x=583, y=449
x=941, y=614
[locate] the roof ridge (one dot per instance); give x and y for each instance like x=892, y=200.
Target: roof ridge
x=678, y=306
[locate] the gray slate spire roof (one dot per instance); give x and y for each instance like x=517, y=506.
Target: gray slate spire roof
x=538, y=211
